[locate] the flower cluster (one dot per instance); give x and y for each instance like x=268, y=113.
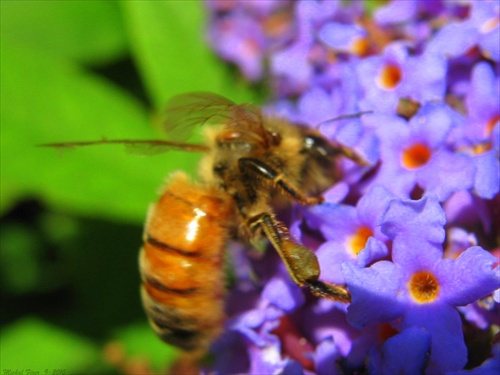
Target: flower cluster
x=414, y=236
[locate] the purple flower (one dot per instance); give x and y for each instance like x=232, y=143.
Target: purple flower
x=485, y=15
x=326, y=357
x=465, y=209
x=418, y=287
x=239, y=39
x=482, y=313
x=480, y=136
x=395, y=74
x=343, y=37
x=396, y=12
x=352, y=233
x=294, y=65
x=429, y=74
x=394, y=356
x=415, y=153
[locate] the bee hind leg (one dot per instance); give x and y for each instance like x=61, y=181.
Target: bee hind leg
x=301, y=263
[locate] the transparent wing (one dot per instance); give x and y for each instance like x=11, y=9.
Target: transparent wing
x=183, y=113
x=138, y=147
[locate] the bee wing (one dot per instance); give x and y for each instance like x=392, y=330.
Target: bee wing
x=185, y=112
x=138, y=147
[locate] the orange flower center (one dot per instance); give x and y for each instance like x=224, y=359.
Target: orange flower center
x=416, y=156
x=389, y=76
x=277, y=24
x=481, y=148
x=423, y=286
x=358, y=241
x=360, y=46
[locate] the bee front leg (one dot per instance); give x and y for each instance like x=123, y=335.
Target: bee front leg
x=300, y=261
x=260, y=169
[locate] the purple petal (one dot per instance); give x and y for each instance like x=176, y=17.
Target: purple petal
x=295, y=227
x=477, y=315
x=373, y=204
x=453, y=40
x=485, y=14
x=369, y=147
x=417, y=230
x=331, y=255
x=377, y=293
x=446, y=173
x=336, y=222
x=315, y=12
x=316, y=106
x=292, y=367
x=326, y=358
x=425, y=78
x=239, y=39
x=349, y=131
x=293, y=64
x=458, y=241
x=404, y=216
x=340, y=36
x=432, y=124
x=247, y=323
x=230, y=345
x=375, y=98
x=448, y=350
x=396, y=12
x=283, y=294
x=394, y=134
x=406, y=353
x=328, y=319
x=469, y=277
x=490, y=44
x=465, y=209
x=266, y=359
x=374, y=250
x=487, y=178
x=337, y=192
x=483, y=87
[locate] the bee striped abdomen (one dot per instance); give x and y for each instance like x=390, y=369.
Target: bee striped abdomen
x=181, y=264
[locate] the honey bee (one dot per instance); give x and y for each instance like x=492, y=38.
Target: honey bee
x=181, y=263
x=253, y=165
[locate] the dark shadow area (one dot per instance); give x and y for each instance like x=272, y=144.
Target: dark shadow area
x=124, y=73
x=84, y=279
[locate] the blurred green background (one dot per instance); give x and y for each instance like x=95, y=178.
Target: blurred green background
x=71, y=222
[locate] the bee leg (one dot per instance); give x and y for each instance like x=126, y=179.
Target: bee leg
x=301, y=262
x=259, y=168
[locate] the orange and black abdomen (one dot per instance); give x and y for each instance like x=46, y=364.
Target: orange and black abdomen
x=181, y=264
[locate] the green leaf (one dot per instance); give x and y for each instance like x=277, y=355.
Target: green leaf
x=87, y=31
x=32, y=345
x=20, y=257
x=45, y=97
x=53, y=101
x=168, y=40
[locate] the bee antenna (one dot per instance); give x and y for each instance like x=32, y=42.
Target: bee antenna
x=343, y=117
